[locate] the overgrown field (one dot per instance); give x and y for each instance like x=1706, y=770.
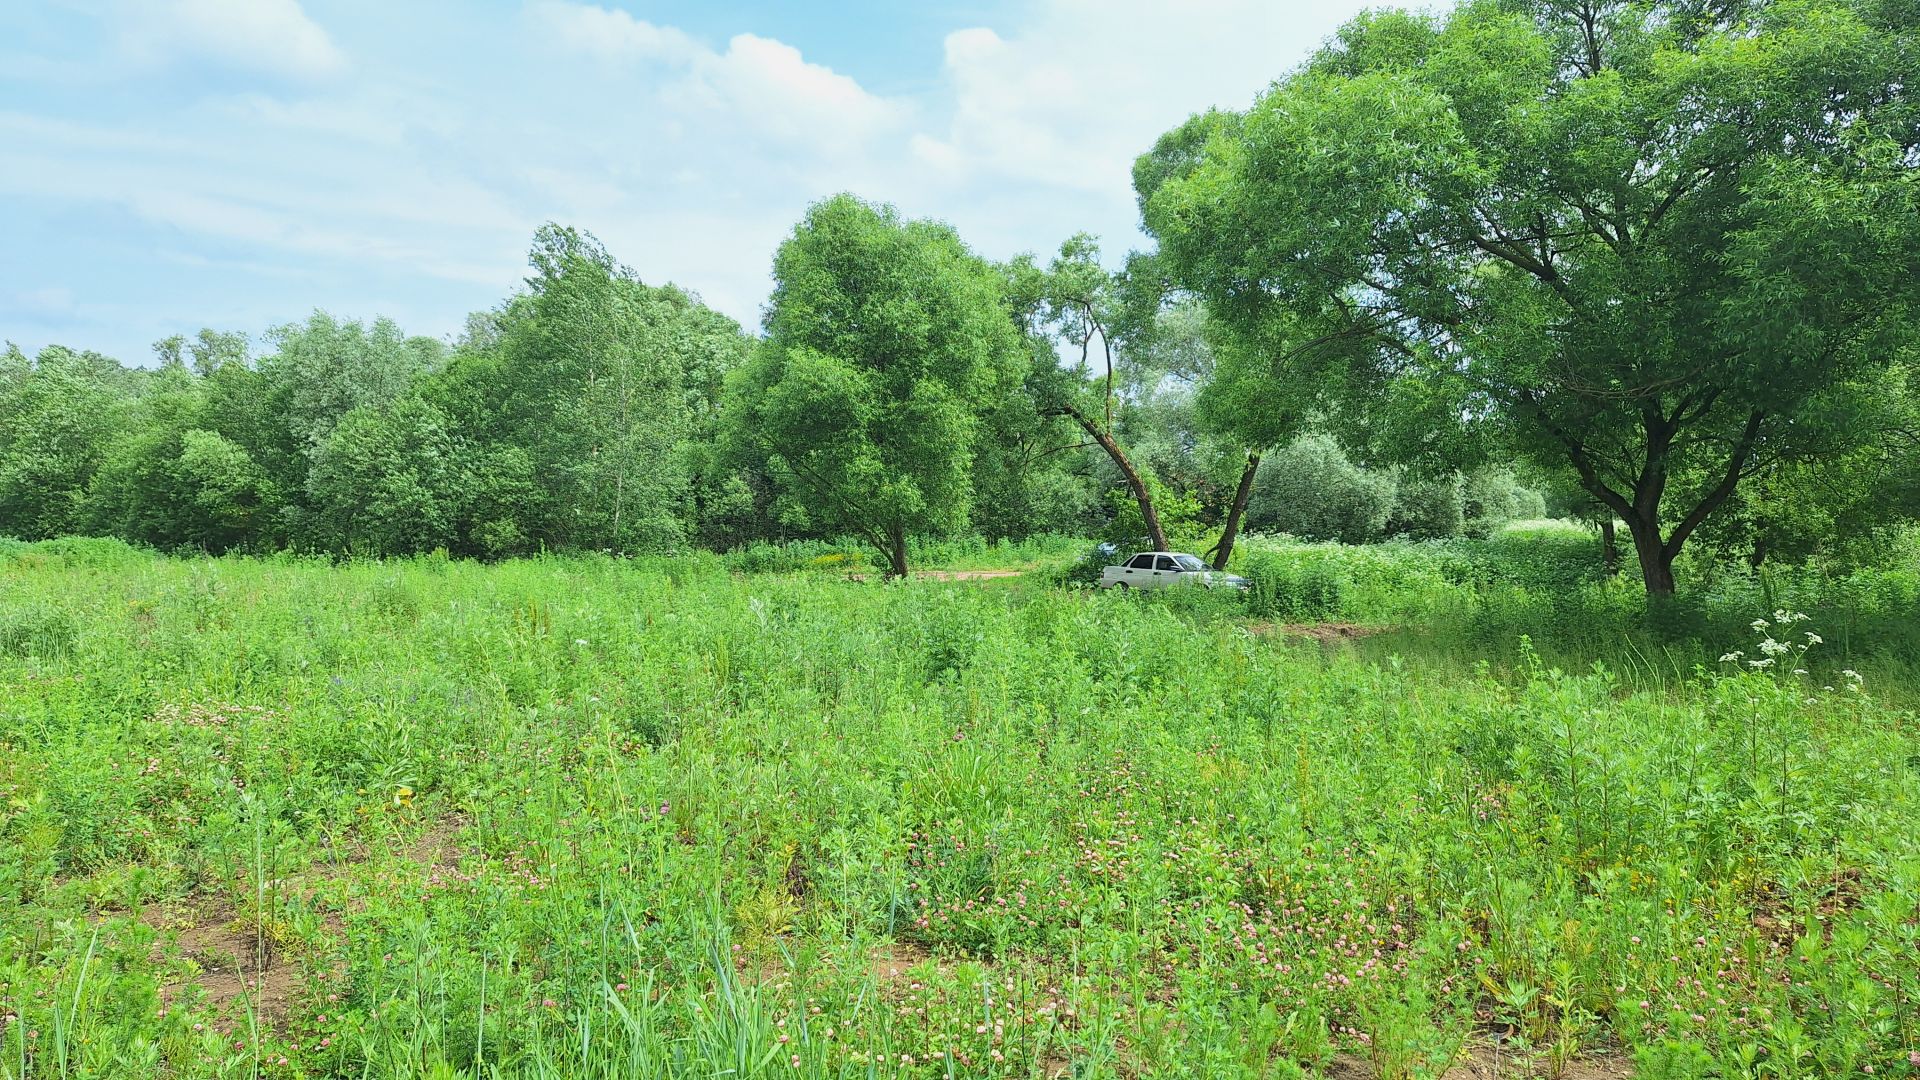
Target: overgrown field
x=656, y=818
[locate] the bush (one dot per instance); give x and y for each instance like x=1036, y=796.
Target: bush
x=1494, y=497
x=1285, y=585
x=91, y=552
x=1311, y=490
x=38, y=631
x=1084, y=572
x=1429, y=508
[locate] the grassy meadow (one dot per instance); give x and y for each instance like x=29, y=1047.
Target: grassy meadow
x=697, y=818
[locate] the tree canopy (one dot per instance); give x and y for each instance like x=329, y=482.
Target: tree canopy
x=1655, y=258
x=1659, y=244
x=883, y=339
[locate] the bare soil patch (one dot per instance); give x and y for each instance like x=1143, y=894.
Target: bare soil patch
x=239, y=967
x=1322, y=632
x=892, y=963
x=1774, y=916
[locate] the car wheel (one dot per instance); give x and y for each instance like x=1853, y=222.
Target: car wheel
x=1121, y=586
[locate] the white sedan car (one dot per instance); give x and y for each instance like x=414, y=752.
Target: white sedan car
x=1164, y=569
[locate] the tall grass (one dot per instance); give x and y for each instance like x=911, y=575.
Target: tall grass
x=595, y=817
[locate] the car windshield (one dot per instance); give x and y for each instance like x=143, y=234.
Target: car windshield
x=1188, y=562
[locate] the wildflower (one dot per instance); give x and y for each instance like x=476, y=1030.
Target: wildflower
x=1760, y=665
x=1815, y=639
x=1732, y=656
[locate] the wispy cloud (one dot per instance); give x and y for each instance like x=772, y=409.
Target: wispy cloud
x=251, y=159
x=273, y=37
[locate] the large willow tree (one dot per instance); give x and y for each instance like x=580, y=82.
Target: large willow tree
x=1662, y=245
x=886, y=341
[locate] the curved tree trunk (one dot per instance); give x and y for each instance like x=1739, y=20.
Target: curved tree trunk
x=1231, y=531
x=1609, y=547
x=1135, y=482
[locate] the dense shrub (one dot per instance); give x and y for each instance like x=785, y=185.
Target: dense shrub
x=1283, y=585
x=1313, y=490
x=1310, y=489
x=1428, y=508
x=94, y=552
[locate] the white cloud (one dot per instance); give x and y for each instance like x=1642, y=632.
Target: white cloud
x=610, y=34
x=273, y=37
x=758, y=83
x=769, y=82
x=411, y=188
x=1071, y=96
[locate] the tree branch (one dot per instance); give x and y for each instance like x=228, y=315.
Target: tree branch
x=1736, y=469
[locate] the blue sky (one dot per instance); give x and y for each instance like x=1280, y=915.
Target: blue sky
x=172, y=164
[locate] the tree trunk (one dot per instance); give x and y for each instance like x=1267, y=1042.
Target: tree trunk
x=897, y=552
x=1642, y=513
x=1134, y=481
x=1759, y=555
x=1231, y=531
x=1656, y=559
x=1609, y=547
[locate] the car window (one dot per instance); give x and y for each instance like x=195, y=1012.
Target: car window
x=1188, y=562
x=1142, y=562
x=1167, y=563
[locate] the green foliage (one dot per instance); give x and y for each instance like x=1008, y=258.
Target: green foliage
x=886, y=341
x=1633, y=240
x=1311, y=490
x=597, y=817
x=1283, y=588
x=386, y=480
x=324, y=369
x=56, y=416
x=580, y=404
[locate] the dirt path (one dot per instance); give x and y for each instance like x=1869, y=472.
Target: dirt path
x=965, y=575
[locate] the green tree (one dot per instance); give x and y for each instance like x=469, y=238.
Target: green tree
x=387, y=481
x=885, y=340
x=324, y=368
x=1076, y=301
x=57, y=417
x=1651, y=242
x=601, y=386
x=1311, y=489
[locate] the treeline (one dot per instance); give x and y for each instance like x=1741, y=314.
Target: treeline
x=1650, y=265
x=572, y=416
x=589, y=412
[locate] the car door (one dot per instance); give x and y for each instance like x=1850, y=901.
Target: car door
x=1139, y=572
x=1165, y=571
